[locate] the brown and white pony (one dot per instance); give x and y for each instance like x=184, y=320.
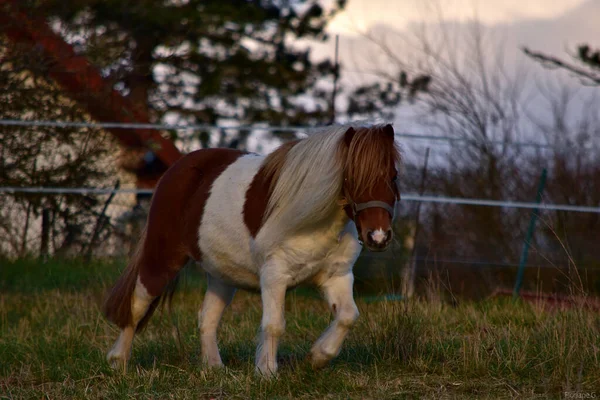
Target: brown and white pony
x=297, y=215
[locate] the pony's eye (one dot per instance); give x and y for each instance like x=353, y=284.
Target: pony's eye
x=395, y=178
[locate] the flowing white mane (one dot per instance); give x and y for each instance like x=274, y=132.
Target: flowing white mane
x=310, y=180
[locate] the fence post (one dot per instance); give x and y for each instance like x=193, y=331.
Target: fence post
x=336, y=76
x=529, y=236
x=45, y=239
x=410, y=269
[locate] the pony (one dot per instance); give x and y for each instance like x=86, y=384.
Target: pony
x=300, y=214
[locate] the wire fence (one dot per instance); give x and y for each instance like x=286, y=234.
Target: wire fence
x=476, y=262
x=118, y=208
x=405, y=197
x=483, y=271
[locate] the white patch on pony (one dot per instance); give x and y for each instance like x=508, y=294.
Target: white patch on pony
x=378, y=236
x=232, y=255
x=224, y=239
x=140, y=301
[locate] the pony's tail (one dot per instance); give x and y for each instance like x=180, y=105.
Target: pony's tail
x=117, y=305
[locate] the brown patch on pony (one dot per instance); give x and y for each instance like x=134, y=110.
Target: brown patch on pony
x=261, y=187
x=171, y=234
x=371, y=153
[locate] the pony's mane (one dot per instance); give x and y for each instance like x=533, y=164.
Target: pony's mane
x=307, y=175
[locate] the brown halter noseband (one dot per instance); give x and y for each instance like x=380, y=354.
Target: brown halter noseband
x=358, y=207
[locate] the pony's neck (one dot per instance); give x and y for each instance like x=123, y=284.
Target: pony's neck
x=308, y=185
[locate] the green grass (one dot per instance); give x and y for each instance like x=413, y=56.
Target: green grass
x=53, y=340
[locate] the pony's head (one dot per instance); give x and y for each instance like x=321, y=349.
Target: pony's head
x=370, y=187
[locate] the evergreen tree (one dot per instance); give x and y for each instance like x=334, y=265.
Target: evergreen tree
x=204, y=61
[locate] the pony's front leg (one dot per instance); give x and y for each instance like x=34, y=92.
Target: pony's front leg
x=273, y=287
x=338, y=293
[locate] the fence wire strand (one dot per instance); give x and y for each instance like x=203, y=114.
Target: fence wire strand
x=405, y=197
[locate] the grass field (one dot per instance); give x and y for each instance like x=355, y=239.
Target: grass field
x=53, y=341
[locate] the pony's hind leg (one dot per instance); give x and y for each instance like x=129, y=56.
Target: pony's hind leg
x=338, y=293
x=137, y=293
x=120, y=352
x=218, y=297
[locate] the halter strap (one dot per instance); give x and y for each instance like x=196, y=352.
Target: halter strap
x=356, y=208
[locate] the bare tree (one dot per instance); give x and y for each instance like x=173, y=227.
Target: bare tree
x=586, y=66
x=484, y=103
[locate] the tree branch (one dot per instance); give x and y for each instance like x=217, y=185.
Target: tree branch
x=553, y=61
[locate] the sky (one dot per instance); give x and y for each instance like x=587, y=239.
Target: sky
x=547, y=25
x=363, y=14
x=551, y=26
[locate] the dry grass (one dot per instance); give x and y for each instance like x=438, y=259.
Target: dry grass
x=53, y=340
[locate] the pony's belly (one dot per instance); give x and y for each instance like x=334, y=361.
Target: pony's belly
x=241, y=276
x=230, y=260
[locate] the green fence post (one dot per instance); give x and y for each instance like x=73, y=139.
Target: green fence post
x=529, y=236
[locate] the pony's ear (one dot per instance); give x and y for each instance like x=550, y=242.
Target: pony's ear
x=348, y=136
x=389, y=130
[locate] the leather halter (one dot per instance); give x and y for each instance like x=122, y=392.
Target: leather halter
x=358, y=207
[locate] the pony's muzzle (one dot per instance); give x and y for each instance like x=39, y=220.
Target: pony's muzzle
x=379, y=240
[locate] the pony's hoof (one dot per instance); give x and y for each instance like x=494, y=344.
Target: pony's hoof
x=117, y=362
x=266, y=372
x=212, y=363
x=318, y=359
x=214, y=366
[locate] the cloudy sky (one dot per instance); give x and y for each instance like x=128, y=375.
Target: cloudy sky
x=551, y=26
x=548, y=25
x=363, y=14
